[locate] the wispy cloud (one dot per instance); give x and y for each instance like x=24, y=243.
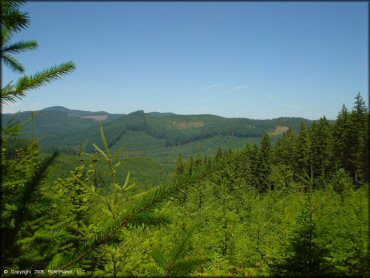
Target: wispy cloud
x=213, y=86
x=238, y=88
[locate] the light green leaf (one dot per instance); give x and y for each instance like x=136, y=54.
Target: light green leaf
x=101, y=151
x=105, y=143
x=116, y=186
x=117, y=154
x=127, y=180
x=129, y=187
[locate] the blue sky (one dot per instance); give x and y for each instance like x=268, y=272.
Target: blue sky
x=233, y=59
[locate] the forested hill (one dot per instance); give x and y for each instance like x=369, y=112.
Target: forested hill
x=56, y=121
x=298, y=208
x=65, y=129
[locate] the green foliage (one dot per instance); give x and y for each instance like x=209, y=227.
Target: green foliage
x=23, y=172
x=341, y=182
x=306, y=255
x=148, y=135
x=14, y=21
x=322, y=148
x=121, y=210
x=15, y=48
x=264, y=165
x=176, y=262
x=304, y=150
x=10, y=93
x=240, y=231
x=22, y=178
x=296, y=208
x=11, y=17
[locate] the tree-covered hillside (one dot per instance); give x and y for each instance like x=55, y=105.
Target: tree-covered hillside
x=296, y=208
x=153, y=141
x=54, y=122
x=65, y=129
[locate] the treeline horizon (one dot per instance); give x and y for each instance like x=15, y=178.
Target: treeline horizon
x=295, y=208
x=286, y=193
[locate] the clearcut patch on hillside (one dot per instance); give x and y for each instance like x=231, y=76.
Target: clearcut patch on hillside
x=278, y=130
x=96, y=117
x=187, y=124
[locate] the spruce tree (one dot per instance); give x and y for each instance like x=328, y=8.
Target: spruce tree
x=359, y=116
x=306, y=255
x=322, y=150
x=344, y=133
x=286, y=151
x=264, y=164
x=304, y=156
x=22, y=177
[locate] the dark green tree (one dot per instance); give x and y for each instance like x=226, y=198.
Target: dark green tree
x=177, y=261
x=304, y=157
x=254, y=158
x=306, y=255
x=322, y=150
x=180, y=165
x=344, y=133
x=360, y=121
x=219, y=154
x=11, y=17
x=264, y=164
x=286, y=150
x=23, y=176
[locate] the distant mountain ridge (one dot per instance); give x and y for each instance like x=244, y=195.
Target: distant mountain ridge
x=152, y=134
x=73, y=111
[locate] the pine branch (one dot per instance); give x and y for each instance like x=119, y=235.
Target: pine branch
x=8, y=94
x=11, y=18
x=12, y=128
x=146, y=202
x=27, y=195
x=6, y=35
x=186, y=266
x=104, y=139
x=22, y=203
x=11, y=5
x=11, y=93
x=158, y=255
x=13, y=63
x=20, y=47
x=44, y=77
x=176, y=264
x=15, y=20
x=149, y=219
x=177, y=261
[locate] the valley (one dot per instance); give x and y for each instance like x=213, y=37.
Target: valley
x=190, y=193
x=153, y=140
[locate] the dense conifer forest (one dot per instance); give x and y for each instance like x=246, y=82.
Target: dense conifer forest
x=295, y=207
